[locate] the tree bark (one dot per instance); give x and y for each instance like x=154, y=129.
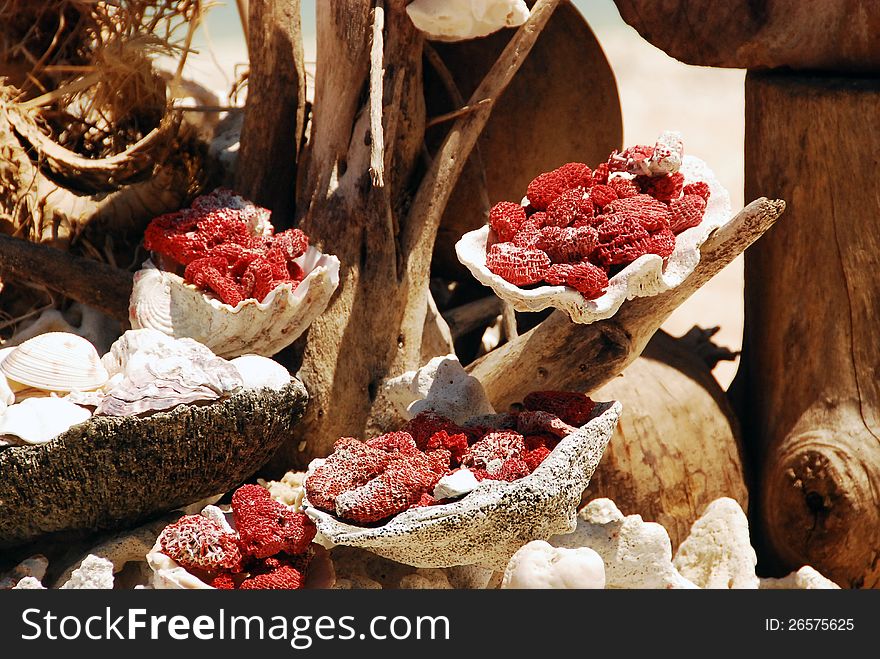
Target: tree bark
x=808, y=382
x=275, y=112
x=560, y=354
x=677, y=447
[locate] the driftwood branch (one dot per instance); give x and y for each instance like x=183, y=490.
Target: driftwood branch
x=275, y=112
x=559, y=354
x=472, y=315
x=377, y=73
x=92, y=283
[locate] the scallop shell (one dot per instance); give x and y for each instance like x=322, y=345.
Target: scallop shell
x=457, y=20
x=259, y=372
x=488, y=525
x=160, y=373
x=39, y=420
x=644, y=277
x=57, y=361
x=6, y=395
x=164, y=301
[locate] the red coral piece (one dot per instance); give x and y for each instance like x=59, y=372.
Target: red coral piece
x=425, y=500
x=662, y=188
x=653, y=215
x=539, y=422
x=506, y=218
x=624, y=187
x=493, y=449
x=572, y=407
x=266, y=527
x=518, y=265
x=211, y=273
x=397, y=488
x=600, y=174
x=292, y=243
x=425, y=425
x=699, y=188
x=529, y=233
x=567, y=244
x=686, y=212
x=602, y=195
x=223, y=581
x=557, y=273
x=630, y=159
x=571, y=206
x=285, y=577
x=394, y=442
x=662, y=243
x=535, y=457
x=546, y=187
x=588, y=279
x=456, y=444
x=198, y=542
x=351, y=465
x=509, y=470
x=622, y=239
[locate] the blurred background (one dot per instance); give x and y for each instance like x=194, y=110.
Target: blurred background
x=656, y=93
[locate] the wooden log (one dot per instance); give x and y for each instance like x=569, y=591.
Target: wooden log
x=677, y=447
x=559, y=354
x=94, y=284
x=275, y=112
x=112, y=472
x=761, y=34
x=808, y=383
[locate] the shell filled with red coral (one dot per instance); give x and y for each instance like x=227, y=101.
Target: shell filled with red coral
x=646, y=275
x=490, y=523
x=164, y=301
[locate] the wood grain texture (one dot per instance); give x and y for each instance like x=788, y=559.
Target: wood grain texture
x=560, y=354
x=275, y=110
x=92, y=283
x=677, y=447
x=809, y=377
x=761, y=34
x=112, y=472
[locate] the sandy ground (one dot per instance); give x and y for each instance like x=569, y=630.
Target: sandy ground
x=656, y=93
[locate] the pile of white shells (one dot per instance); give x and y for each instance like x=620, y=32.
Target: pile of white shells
x=52, y=381
x=636, y=554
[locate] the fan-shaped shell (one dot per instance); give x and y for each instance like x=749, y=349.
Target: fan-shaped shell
x=488, y=525
x=646, y=276
x=164, y=301
x=56, y=361
x=39, y=420
x=6, y=395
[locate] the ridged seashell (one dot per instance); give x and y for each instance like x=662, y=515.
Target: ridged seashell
x=488, y=525
x=259, y=372
x=164, y=301
x=644, y=277
x=6, y=395
x=456, y=20
x=161, y=373
x=39, y=420
x=57, y=361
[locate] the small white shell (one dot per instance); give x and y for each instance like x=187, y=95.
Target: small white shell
x=164, y=301
x=644, y=277
x=40, y=420
x=455, y=20
x=57, y=361
x=258, y=372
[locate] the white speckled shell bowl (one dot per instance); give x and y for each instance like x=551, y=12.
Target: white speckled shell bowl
x=164, y=301
x=487, y=526
x=644, y=277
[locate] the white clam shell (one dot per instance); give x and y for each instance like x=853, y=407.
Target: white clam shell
x=488, y=525
x=56, y=361
x=160, y=372
x=258, y=372
x=455, y=20
x=164, y=301
x=39, y=420
x=644, y=277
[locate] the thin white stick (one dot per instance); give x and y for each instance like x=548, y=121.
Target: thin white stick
x=377, y=72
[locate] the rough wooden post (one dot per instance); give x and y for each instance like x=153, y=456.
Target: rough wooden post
x=809, y=376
